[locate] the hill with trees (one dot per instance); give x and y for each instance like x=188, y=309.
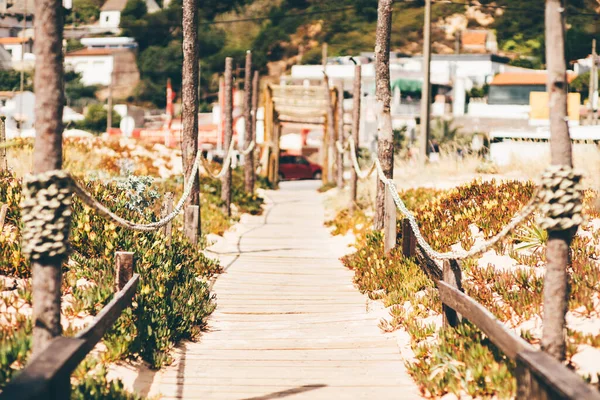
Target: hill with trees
x=284, y=32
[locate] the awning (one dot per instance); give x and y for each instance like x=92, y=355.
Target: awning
x=407, y=85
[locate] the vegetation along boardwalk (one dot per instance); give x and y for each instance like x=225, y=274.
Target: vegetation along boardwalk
x=289, y=321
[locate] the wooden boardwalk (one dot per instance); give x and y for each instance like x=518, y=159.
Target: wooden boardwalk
x=289, y=322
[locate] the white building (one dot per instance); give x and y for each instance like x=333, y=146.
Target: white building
x=109, y=42
x=18, y=47
x=94, y=65
x=110, y=13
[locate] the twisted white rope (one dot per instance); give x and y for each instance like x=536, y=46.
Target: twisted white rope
x=226, y=163
x=341, y=149
x=359, y=173
x=248, y=149
x=91, y=202
x=456, y=255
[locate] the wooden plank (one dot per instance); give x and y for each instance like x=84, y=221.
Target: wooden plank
x=124, y=268
x=452, y=277
x=191, y=223
x=429, y=266
x=389, y=224
x=507, y=341
x=409, y=241
x=64, y=354
x=554, y=378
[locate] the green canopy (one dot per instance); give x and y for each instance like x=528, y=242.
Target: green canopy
x=407, y=85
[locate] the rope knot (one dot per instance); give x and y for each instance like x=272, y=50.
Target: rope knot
x=561, y=198
x=46, y=214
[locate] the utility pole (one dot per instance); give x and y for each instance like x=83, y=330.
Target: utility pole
x=46, y=271
x=556, y=279
x=426, y=92
x=340, y=136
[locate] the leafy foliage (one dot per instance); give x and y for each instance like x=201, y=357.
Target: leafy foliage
x=96, y=118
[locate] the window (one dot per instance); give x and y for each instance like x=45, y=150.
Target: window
x=512, y=94
x=301, y=160
x=107, y=18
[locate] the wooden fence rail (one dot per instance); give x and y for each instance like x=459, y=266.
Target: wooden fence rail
x=47, y=376
x=539, y=376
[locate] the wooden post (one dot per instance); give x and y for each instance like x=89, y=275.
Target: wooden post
x=167, y=208
x=226, y=180
x=357, y=96
x=452, y=275
x=385, y=144
x=189, y=95
x=409, y=242
x=255, y=94
x=268, y=127
x=248, y=132
x=192, y=219
x=276, y=150
x=3, y=160
x=109, y=102
x=426, y=90
x=528, y=387
x=3, y=212
x=330, y=121
x=389, y=226
x=47, y=155
x=340, y=135
x=123, y=268
x=592, y=117
x=556, y=290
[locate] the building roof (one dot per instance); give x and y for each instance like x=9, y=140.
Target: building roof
x=474, y=38
x=91, y=52
x=524, y=78
x=114, y=5
x=119, y=5
x=13, y=40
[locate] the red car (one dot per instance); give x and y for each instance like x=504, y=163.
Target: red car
x=298, y=167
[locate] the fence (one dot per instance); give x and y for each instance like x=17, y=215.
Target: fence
x=47, y=375
x=539, y=376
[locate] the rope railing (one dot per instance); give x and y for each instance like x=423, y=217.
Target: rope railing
x=226, y=163
x=559, y=197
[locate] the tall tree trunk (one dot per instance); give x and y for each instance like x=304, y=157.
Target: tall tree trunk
x=226, y=180
x=556, y=287
x=357, y=95
x=189, y=88
x=248, y=117
x=47, y=156
x=385, y=144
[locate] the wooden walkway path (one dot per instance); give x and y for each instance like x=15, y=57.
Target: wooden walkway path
x=289, y=322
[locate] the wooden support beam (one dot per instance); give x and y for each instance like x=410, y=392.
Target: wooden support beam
x=452, y=276
x=357, y=95
x=226, y=180
x=124, y=268
x=389, y=226
x=409, y=242
x=191, y=221
x=167, y=208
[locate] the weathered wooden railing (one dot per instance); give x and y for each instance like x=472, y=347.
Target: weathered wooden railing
x=539, y=376
x=47, y=375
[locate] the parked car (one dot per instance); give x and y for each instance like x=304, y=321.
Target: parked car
x=298, y=167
